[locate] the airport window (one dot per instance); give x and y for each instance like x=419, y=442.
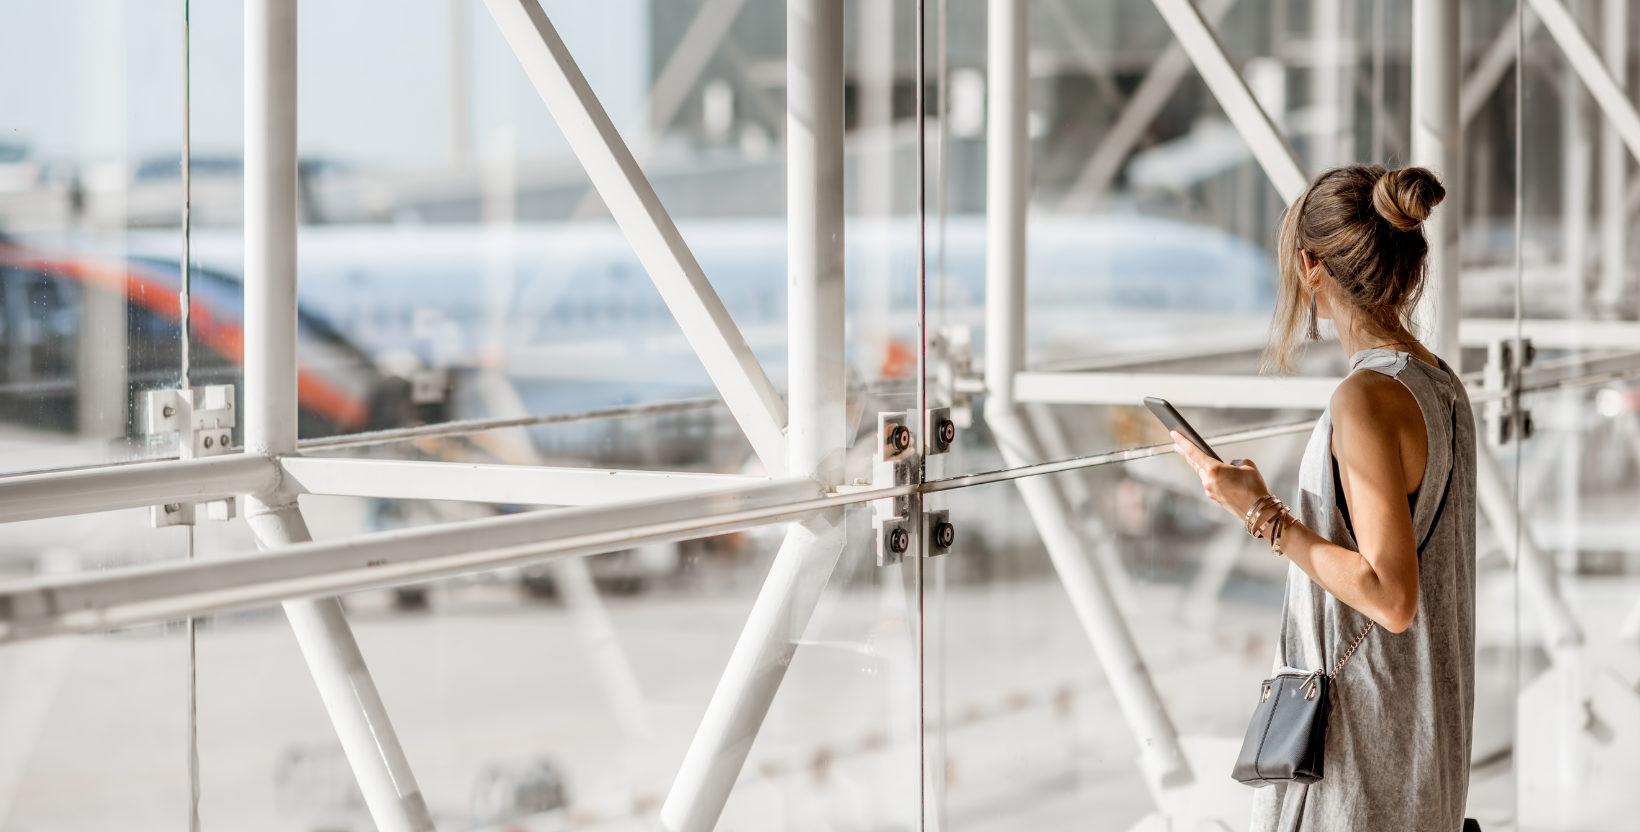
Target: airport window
x=541, y=414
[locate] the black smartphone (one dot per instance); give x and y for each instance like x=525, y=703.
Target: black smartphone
x=1174, y=421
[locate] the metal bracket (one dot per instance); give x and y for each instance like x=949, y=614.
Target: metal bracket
x=939, y=532
x=203, y=420
x=893, y=539
x=942, y=430
x=1505, y=361
x=891, y=465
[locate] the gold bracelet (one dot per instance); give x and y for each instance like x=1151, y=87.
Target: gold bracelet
x=1257, y=508
x=1274, y=518
x=1274, y=508
x=1275, y=538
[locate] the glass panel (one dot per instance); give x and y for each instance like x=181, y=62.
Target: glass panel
x=91, y=117
x=94, y=726
x=1576, y=709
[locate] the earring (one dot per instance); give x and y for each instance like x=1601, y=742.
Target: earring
x=1313, y=333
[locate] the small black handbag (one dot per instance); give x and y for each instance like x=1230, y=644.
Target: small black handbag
x=1287, y=738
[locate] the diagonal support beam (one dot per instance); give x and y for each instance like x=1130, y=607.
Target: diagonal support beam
x=688, y=60
x=746, y=389
x=1202, y=46
x=1592, y=70
x=815, y=336
x=1140, y=111
x=1493, y=65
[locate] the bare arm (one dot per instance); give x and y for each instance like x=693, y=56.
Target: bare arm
x=1381, y=460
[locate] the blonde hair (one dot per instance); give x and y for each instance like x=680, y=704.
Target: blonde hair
x=1365, y=225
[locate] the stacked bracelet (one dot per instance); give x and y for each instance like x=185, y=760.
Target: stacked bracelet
x=1264, y=522
x=1255, y=510
x=1269, y=517
x=1275, y=535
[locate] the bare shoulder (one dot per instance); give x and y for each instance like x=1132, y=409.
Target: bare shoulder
x=1369, y=402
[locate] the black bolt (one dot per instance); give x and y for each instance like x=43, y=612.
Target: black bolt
x=945, y=534
x=898, y=541
x=947, y=432
x=899, y=439
x=169, y=411
x=207, y=441
x=224, y=440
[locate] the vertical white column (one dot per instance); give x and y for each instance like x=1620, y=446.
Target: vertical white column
x=1436, y=135
x=815, y=433
x=874, y=185
x=1007, y=191
x=320, y=626
x=1327, y=93
x=270, y=227
x=1614, y=165
x=1007, y=181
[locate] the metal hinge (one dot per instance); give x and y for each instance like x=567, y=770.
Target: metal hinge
x=203, y=420
x=1506, y=360
x=900, y=523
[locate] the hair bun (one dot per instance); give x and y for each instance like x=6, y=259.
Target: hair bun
x=1406, y=197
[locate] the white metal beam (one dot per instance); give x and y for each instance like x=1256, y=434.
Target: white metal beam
x=746, y=389
x=321, y=629
x=1537, y=579
x=688, y=60
x=570, y=575
x=112, y=487
x=1138, y=113
x=469, y=482
x=1492, y=66
x=1007, y=194
x=89, y=602
x=1260, y=392
x=1271, y=150
x=1589, y=66
x=815, y=333
x=1437, y=145
x=1552, y=333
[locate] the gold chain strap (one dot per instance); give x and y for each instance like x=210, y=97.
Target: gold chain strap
x=1350, y=652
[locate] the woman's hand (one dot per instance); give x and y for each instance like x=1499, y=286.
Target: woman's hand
x=1236, y=487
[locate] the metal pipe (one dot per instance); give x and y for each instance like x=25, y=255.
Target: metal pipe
x=1536, y=572
x=1138, y=113
x=1330, y=143
x=1614, y=167
x=1269, y=147
x=465, y=427
x=517, y=484
x=1607, y=92
x=1008, y=175
x=1436, y=144
x=1096, y=610
x=98, y=601
x=655, y=239
x=135, y=485
x=1007, y=190
x=603, y=646
x=270, y=227
x=817, y=433
x=1494, y=63
x=574, y=581
x=321, y=629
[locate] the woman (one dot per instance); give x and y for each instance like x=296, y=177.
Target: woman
x=1391, y=463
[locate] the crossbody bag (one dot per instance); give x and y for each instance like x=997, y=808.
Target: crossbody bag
x=1287, y=736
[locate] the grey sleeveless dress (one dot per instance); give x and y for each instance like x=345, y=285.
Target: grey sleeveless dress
x=1398, y=733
